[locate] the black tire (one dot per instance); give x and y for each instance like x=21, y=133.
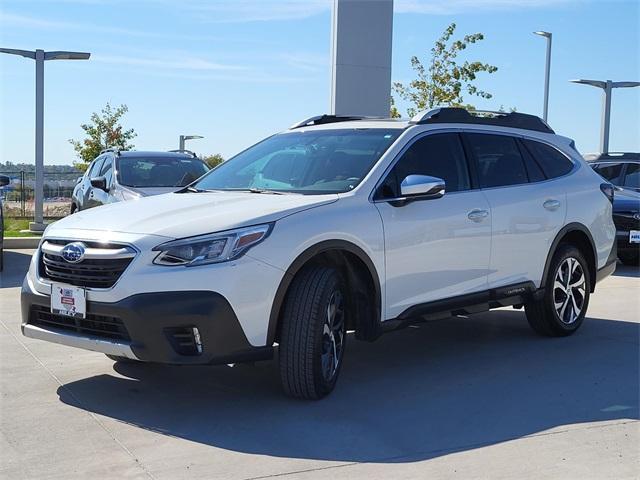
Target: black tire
x=630, y=258
x=309, y=364
x=542, y=314
x=117, y=358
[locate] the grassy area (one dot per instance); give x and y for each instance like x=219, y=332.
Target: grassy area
x=12, y=227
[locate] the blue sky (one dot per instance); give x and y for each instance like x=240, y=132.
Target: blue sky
x=236, y=71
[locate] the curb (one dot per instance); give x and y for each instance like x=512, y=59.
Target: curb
x=21, y=242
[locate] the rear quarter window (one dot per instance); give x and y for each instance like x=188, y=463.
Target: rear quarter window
x=553, y=163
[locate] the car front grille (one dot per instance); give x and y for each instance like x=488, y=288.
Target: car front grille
x=101, y=266
x=94, y=325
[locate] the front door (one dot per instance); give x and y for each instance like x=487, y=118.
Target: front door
x=438, y=248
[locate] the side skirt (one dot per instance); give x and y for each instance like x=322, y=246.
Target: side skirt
x=516, y=294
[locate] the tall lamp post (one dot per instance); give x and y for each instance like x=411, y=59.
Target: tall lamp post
x=548, y=36
x=607, y=87
x=184, y=138
x=40, y=56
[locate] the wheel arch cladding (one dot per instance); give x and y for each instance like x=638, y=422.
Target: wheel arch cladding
x=578, y=235
x=359, y=273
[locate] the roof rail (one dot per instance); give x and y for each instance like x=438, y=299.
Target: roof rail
x=482, y=117
x=115, y=150
x=188, y=152
x=322, y=119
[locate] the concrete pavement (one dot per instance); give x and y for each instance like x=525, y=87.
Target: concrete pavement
x=477, y=397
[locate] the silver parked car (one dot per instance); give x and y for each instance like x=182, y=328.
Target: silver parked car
x=116, y=176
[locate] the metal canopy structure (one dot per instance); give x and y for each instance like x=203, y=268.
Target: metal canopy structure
x=607, y=87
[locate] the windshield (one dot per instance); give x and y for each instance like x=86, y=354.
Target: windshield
x=311, y=162
x=159, y=172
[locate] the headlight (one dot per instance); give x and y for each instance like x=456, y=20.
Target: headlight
x=211, y=248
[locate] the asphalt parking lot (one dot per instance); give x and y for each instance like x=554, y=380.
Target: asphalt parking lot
x=478, y=397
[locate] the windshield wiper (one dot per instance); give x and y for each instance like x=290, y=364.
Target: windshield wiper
x=261, y=190
x=195, y=190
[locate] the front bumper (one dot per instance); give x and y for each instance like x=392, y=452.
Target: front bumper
x=152, y=327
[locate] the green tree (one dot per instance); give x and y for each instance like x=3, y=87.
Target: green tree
x=213, y=160
x=103, y=131
x=446, y=80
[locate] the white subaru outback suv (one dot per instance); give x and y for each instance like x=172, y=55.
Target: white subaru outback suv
x=337, y=224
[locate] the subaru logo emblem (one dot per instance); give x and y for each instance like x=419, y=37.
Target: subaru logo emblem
x=636, y=216
x=73, y=252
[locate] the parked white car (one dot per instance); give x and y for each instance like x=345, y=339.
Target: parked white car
x=337, y=224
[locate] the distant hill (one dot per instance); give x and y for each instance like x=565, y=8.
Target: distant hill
x=31, y=168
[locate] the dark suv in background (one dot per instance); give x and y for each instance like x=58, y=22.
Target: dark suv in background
x=623, y=171
x=116, y=176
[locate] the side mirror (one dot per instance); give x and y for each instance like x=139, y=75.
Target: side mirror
x=4, y=180
x=422, y=187
x=78, y=180
x=99, y=182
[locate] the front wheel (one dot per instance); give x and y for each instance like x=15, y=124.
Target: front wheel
x=313, y=334
x=562, y=308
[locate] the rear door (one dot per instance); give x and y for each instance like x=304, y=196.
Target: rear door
x=528, y=209
x=437, y=248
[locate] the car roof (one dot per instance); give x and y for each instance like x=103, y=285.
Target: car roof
x=154, y=154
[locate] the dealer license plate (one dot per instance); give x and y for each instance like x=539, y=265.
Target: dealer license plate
x=68, y=300
x=634, y=236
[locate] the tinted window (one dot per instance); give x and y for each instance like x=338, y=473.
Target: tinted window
x=610, y=171
x=439, y=156
x=632, y=176
x=499, y=160
x=553, y=163
x=159, y=172
x=310, y=162
x=533, y=168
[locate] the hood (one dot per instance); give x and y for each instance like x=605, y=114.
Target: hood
x=178, y=215
x=626, y=201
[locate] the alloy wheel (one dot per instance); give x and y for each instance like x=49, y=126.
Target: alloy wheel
x=333, y=336
x=569, y=290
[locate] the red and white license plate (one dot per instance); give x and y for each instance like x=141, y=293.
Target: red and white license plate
x=68, y=300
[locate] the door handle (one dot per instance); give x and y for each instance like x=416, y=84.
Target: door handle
x=551, y=204
x=477, y=215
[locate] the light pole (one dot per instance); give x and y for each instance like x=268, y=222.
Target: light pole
x=548, y=36
x=607, y=87
x=184, y=138
x=40, y=56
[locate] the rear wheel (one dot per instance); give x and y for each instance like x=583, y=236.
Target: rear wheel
x=313, y=333
x=562, y=308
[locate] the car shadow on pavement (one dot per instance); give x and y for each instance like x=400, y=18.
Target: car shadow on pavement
x=16, y=265
x=418, y=393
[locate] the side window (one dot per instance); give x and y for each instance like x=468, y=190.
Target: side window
x=107, y=171
x=533, y=168
x=439, y=155
x=499, y=160
x=610, y=171
x=95, y=167
x=632, y=176
x=553, y=163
